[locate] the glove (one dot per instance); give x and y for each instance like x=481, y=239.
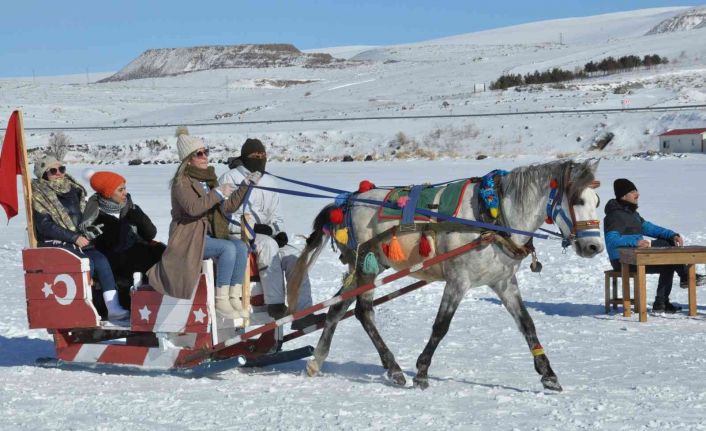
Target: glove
x=281, y=239
x=252, y=178
x=262, y=229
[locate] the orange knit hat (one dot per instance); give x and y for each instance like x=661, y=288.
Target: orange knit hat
x=105, y=182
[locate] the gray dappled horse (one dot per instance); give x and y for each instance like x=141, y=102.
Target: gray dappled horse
x=524, y=201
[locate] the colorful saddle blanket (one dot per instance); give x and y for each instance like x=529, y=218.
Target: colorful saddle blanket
x=442, y=199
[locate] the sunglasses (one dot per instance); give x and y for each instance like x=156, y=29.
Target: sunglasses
x=201, y=153
x=55, y=171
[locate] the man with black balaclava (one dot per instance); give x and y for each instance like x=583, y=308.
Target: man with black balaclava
x=275, y=258
x=624, y=227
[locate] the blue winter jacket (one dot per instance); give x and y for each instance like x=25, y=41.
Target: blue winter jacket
x=624, y=227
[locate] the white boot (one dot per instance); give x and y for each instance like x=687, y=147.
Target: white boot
x=223, y=307
x=236, y=300
x=115, y=310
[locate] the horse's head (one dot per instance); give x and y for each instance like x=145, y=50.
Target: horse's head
x=574, y=208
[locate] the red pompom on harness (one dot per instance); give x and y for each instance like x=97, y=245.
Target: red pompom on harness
x=335, y=216
x=365, y=186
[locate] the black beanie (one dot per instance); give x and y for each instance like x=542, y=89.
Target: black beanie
x=623, y=186
x=251, y=146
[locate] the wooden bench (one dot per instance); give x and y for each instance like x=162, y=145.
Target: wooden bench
x=611, y=290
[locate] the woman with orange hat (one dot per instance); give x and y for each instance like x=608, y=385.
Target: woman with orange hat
x=58, y=203
x=127, y=233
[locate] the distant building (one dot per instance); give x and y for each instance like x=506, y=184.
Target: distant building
x=683, y=141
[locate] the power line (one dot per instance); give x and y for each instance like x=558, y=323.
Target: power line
x=380, y=118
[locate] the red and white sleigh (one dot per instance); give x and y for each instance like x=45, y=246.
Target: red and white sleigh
x=163, y=333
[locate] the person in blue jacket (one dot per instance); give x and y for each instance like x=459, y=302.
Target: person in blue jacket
x=624, y=227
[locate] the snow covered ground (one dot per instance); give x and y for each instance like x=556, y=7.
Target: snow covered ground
x=617, y=373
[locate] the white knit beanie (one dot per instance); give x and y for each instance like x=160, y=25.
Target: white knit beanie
x=42, y=165
x=187, y=144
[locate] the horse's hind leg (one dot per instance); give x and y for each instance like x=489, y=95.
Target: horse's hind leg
x=453, y=294
x=510, y=296
x=366, y=315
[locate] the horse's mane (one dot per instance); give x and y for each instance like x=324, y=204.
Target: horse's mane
x=523, y=182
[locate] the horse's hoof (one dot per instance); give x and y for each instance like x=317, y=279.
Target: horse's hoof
x=397, y=378
x=312, y=368
x=421, y=383
x=552, y=383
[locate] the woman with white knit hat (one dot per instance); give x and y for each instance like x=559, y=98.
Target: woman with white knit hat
x=199, y=229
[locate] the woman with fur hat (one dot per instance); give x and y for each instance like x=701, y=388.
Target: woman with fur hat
x=199, y=229
x=127, y=232
x=58, y=202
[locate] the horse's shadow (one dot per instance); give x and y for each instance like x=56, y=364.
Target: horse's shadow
x=569, y=309
x=566, y=309
x=21, y=351
x=357, y=372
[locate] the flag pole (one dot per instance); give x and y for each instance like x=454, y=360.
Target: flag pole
x=24, y=168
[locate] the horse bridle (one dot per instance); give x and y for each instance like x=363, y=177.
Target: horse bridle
x=578, y=229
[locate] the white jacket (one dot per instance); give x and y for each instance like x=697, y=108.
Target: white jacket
x=263, y=205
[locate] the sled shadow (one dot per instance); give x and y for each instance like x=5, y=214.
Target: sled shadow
x=22, y=351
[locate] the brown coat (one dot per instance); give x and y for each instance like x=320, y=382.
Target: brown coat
x=178, y=271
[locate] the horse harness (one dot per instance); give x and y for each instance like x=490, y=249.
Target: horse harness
x=577, y=229
x=554, y=210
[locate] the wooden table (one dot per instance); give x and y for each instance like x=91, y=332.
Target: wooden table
x=688, y=255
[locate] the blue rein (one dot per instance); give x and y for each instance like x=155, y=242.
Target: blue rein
x=421, y=211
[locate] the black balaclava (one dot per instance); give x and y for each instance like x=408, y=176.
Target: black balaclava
x=253, y=146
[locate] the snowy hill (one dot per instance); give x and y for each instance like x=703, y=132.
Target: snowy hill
x=174, y=61
x=691, y=19
x=424, y=80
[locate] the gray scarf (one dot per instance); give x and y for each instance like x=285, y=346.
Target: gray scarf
x=112, y=207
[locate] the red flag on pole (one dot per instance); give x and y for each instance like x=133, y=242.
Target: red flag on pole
x=10, y=166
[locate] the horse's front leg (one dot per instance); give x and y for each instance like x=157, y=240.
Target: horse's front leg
x=366, y=315
x=334, y=314
x=509, y=294
x=453, y=294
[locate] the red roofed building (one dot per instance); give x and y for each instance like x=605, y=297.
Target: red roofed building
x=683, y=141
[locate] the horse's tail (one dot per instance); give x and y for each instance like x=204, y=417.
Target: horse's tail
x=314, y=244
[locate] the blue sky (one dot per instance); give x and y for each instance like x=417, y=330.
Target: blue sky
x=61, y=37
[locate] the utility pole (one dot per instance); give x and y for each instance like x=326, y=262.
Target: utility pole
x=227, y=88
x=87, y=78
x=561, y=38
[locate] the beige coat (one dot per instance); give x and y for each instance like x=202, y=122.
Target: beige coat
x=178, y=271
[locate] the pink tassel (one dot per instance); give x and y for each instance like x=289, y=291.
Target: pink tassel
x=402, y=201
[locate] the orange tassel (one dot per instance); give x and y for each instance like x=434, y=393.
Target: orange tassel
x=424, y=246
x=395, y=253
x=549, y=220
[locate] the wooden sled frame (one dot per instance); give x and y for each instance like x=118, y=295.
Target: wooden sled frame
x=161, y=333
